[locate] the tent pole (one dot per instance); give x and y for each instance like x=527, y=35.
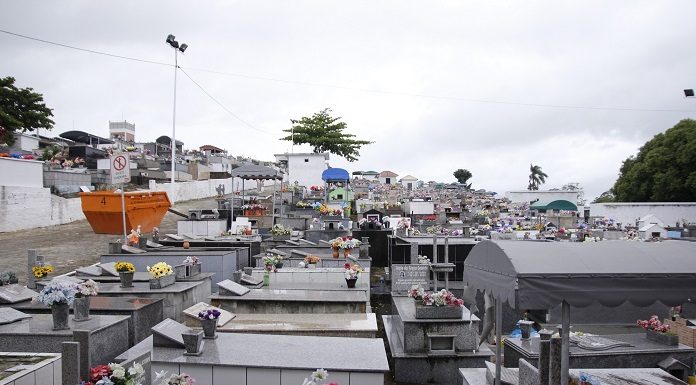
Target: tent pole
x=498, y=339
x=565, y=342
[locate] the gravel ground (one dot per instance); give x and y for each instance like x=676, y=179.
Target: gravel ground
x=72, y=245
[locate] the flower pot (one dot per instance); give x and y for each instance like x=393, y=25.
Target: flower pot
x=526, y=328
x=662, y=338
x=346, y=252
x=209, y=327
x=186, y=244
x=180, y=271
x=81, y=309
x=279, y=265
x=311, y=265
x=193, y=270
x=60, y=313
x=126, y=278
x=438, y=312
x=161, y=282
x=192, y=341
x=351, y=282
x=266, y=279
x=334, y=252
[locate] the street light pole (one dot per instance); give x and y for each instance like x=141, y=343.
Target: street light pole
x=171, y=40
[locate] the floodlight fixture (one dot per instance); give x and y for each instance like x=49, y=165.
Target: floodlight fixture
x=689, y=93
x=183, y=47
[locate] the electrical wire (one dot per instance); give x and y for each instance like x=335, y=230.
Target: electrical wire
x=222, y=105
x=385, y=92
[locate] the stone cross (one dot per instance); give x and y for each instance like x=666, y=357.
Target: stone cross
x=33, y=259
x=365, y=248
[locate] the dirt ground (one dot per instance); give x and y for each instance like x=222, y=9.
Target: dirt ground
x=72, y=245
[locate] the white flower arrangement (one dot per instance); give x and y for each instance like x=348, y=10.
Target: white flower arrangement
x=317, y=375
x=87, y=288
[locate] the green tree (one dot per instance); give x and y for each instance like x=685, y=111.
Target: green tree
x=21, y=109
x=463, y=175
x=605, y=197
x=664, y=170
x=536, y=177
x=325, y=134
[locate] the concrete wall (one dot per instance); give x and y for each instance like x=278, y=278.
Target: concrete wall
x=26, y=142
x=628, y=213
x=21, y=172
x=526, y=196
x=419, y=207
x=30, y=207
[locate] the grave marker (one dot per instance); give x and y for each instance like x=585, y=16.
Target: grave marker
x=406, y=275
x=15, y=293
x=225, y=316
x=251, y=280
x=229, y=287
x=9, y=315
x=168, y=333
x=109, y=268
x=92, y=270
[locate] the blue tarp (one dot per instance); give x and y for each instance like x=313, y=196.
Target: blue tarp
x=335, y=174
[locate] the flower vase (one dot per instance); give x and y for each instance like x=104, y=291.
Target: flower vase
x=266, y=278
x=186, y=244
x=192, y=341
x=60, y=313
x=311, y=266
x=335, y=252
x=525, y=328
x=162, y=282
x=279, y=265
x=81, y=309
x=351, y=282
x=346, y=252
x=209, y=327
x=126, y=278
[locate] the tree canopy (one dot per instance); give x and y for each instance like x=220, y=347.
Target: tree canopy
x=536, y=177
x=463, y=175
x=664, y=170
x=21, y=109
x=325, y=134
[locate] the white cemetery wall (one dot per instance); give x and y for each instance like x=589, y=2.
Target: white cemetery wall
x=21, y=172
x=526, y=196
x=628, y=213
x=27, y=208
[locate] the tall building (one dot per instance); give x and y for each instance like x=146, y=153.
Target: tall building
x=122, y=131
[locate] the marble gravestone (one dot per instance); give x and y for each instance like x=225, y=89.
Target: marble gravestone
x=9, y=315
x=15, y=293
x=225, y=316
x=92, y=270
x=168, y=333
x=229, y=287
x=404, y=276
x=109, y=268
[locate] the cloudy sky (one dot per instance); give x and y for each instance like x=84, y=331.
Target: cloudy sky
x=437, y=85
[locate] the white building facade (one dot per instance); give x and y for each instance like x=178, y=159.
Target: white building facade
x=304, y=168
x=629, y=213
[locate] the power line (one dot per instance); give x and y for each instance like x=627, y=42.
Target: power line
x=87, y=50
x=385, y=92
x=222, y=105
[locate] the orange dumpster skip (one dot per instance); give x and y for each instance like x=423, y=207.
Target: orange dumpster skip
x=103, y=210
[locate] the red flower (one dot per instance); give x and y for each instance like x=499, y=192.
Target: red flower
x=98, y=372
x=346, y=266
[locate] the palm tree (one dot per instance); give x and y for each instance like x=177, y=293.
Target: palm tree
x=536, y=177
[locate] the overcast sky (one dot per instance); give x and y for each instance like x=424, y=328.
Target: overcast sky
x=429, y=64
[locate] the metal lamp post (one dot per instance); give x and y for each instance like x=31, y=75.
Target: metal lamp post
x=174, y=44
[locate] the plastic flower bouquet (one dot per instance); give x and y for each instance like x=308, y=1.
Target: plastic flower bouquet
x=416, y=292
x=116, y=374
x=272, y=259
x=312, y=259
x=317, y=377
x=653, y=324
x=173, y=379
x=279, y=229
x=87, y=288
x=191, y=261
x=57, y=292
x=125, y=267
x=211, y=313
x=352, y=271
x=41, y=271
x=441, y=298
x=423, y=260
x=349, y=243
x=159, y=270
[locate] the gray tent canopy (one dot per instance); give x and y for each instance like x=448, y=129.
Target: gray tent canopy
x=544, y=274
x=611, y=272
x=254, y=171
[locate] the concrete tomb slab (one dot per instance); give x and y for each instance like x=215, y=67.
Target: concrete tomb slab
x=9, y=315
x=168, y=333
x=225, y=316
x=92, y=270
x=109, y=268
x=15, y=293
x=229, y=287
